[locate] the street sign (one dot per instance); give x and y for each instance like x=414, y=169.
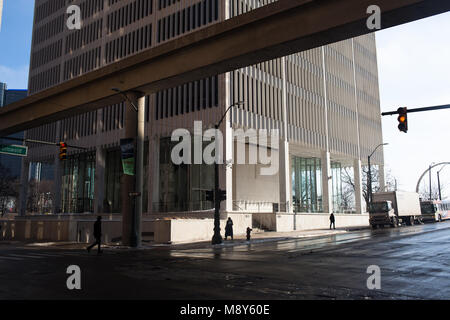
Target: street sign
x=14, y=150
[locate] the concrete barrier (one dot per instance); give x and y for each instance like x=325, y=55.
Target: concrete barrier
x=191, y=230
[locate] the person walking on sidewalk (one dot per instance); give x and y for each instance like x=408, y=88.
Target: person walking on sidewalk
x=229, y=229
x=332, y=221
x=97, y=235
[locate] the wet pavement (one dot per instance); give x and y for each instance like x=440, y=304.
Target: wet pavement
x=414, y=263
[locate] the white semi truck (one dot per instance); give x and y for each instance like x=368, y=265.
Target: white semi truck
x=393, y=208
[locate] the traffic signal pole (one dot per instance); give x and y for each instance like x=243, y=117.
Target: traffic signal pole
x=391, y=113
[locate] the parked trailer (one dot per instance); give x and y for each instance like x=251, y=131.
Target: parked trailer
x=393, y=208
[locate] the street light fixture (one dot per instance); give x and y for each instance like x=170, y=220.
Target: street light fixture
x=369, y=173
x=218, y=195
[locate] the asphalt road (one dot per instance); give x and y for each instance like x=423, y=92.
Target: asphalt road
x=414, y=264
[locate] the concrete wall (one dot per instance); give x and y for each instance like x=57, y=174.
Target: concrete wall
x=190, y=230
x=49, y=228
x=306, y=221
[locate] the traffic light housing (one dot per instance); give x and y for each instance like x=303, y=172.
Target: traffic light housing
x=403, y=119
x=222, y=195
x=210, y=196
x=62, y=151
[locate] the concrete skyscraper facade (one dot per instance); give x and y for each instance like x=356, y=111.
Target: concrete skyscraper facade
x=324, y=103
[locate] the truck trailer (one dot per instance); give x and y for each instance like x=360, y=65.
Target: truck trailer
x=394, y=208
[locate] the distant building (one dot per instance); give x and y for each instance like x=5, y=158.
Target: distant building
x=12, y=163
x=325, y=102
x=1, y=12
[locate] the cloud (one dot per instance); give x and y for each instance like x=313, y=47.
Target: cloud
x=15, y=78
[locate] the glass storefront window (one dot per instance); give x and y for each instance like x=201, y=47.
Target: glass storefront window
x=78, y=183
x=307, y=184
x=182, y=187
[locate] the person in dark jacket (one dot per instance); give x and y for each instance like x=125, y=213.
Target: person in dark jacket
x=97, y=235
x=249, y=230
x=229, y=229
x=332, y=220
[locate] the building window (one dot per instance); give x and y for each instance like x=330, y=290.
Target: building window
x=78, y=184
x=182, y=187
x=307, y=184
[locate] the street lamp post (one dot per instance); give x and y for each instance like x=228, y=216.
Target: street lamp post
x=439, y=182
x=429, y=175
x=217, y=238
x=369, y=173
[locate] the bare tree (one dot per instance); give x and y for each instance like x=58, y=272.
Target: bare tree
x=349, y=188
x=9, y=190
x=424, y=192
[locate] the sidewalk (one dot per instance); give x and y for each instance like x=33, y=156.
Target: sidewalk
x=259, y=237
x=262, y=237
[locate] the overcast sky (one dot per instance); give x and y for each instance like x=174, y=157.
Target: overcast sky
x=414, y=71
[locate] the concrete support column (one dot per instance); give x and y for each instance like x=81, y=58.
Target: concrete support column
x=58, y=166
x=23, y=193
x=99, y=187
x=327, y=183
x=128, y=182
x=359, y=200
x=284, y=177
x=153, y=175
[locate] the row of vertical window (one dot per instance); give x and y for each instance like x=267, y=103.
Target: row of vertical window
x=188, y=19
x=113, y=117
x=82, y=63
x=259, y=97
x=162, y=4
x=47, y=8
x=129, y=43
x=86, y=35
x=89, y=7
x=45, y=79
x=190, y=97
x=238, y=7
x=49, y=30
x=46, y=132
x=79, y=126
x=46, y=54
x=111, y=2
x=129, y=14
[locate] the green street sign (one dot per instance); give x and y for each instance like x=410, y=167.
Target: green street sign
x=13, y=150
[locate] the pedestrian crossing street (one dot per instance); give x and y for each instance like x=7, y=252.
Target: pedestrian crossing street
x=36, y=255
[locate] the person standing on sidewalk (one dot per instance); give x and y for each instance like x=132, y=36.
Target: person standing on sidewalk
x=229, y=229
x=332, y=221
x=249, y=230
x=97, y=235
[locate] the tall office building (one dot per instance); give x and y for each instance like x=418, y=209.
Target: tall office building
x=324, y=102
x=11, y=163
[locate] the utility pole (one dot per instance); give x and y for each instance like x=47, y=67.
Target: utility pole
x=369, y=173
x=439, y=186
x=429, y=174
x=439, y=182
x=219, y=195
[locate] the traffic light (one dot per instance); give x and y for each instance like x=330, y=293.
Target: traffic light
x=210, y=196
x=403, y=119
x=62, y=151
x=222, y=195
